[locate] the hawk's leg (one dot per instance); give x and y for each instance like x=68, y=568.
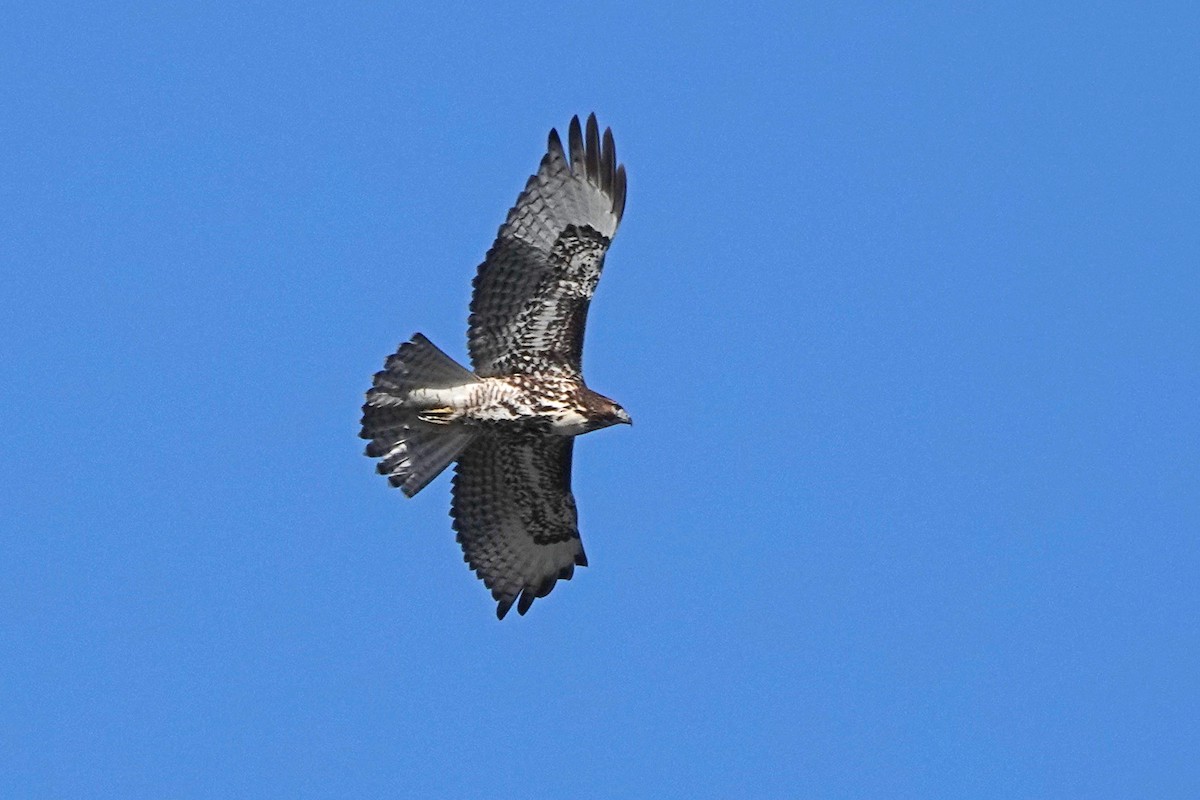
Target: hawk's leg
x=442, y=415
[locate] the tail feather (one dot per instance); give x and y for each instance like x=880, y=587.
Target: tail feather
x=419, y=364
x=413, y=452
x=420, y=453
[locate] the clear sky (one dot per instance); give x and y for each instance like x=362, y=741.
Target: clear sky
x=905, y=307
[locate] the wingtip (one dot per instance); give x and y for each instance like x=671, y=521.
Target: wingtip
x=608, y=162
x=525, y=602
x=575, y=143
x=592, y=148
x=593, y=156
x=618, y=194
x=502, y=608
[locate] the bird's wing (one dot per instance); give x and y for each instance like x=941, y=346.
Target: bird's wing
x=532, y=291
x=515, y=515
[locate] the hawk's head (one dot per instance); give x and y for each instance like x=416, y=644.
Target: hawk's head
x=620, y=416
x=602, y=412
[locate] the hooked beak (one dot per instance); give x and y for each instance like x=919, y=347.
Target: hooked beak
x=623, y=417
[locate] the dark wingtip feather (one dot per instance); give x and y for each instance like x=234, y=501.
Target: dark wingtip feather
x=525, y=602
x=593, y=148
x=575, y=143
x=608, y=162
x=618, y=194
x=503, y=607
x=554, y=145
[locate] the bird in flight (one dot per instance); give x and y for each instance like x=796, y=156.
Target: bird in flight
x=510, y=424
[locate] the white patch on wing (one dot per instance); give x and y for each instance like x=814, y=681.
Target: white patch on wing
x=541, y=326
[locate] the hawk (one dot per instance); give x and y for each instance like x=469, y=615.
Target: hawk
x=510, y=424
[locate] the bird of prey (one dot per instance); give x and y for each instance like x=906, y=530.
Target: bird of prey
x=510, y=424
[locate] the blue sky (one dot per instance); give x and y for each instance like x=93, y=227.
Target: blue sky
x=905, y=306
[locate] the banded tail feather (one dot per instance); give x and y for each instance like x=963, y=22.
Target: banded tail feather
x=414, y=443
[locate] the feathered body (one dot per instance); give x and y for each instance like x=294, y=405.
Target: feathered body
x=548, y=405
x=510, y=423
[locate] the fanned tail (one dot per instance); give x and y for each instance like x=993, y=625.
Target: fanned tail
x=412, y=450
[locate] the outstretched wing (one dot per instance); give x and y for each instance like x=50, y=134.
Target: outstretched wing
x=532, y=291
x=515, y=515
